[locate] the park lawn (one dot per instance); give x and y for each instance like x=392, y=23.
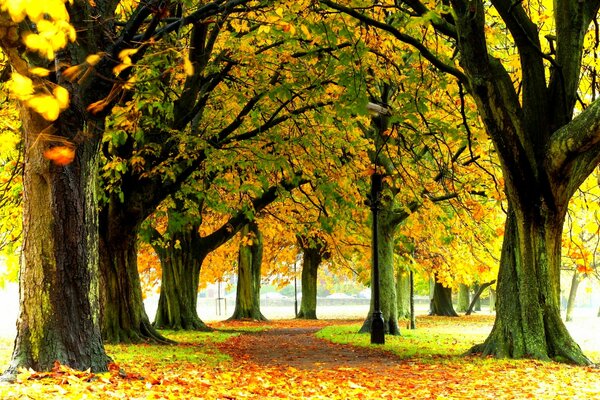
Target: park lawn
x=430, y=365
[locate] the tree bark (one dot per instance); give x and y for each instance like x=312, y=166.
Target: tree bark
x=403, y=292
x=180, y=260
x=463, y=298
x=528, y=322
x=441, y=302
x=124, y=319
x=247, y=301
x=312, y=249
x=58, y=282
x=388, y=300
x=572, y=295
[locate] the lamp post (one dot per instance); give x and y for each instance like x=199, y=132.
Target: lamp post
x=377, y=322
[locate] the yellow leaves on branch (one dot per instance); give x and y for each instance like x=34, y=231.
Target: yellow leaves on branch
x=51, y=19
x=47, y=104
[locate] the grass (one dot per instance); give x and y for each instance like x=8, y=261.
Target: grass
x=434, y=337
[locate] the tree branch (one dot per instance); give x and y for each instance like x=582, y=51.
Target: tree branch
x=404, y=38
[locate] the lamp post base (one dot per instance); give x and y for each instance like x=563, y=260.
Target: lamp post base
x=377, y=328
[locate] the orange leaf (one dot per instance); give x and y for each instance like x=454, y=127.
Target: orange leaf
x=60, y=155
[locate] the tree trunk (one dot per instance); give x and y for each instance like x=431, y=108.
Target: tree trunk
x=476, y=299
x=463, y=298
x=528, y=321
x=181, y=260
x=572, y=295
x=477, y=295
x=492, y=300
x=312, y=256
x=403, y=292
x=124, y=319
x=441, y=302
x=247, y=301
x=388, y=300
x=58, y=281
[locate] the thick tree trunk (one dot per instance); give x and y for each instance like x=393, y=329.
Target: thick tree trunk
x=528, y=321
x=463, y=298
x=388, y=300
x=58, y=281
x=247, y=301
x=403, y=292
x=181, y=260
x=572, y=295
x=124, y=319
x=312, y=257
x=441, y=302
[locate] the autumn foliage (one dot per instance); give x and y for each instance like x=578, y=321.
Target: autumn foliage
x=234, y=363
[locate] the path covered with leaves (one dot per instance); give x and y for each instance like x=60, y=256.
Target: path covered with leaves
x=286, y=359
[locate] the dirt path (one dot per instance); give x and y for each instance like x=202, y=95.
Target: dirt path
x=300, y=349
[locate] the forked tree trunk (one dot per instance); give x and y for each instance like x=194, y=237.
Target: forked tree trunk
x=403, y=292
x=124, y=319
x=58, y=281
x=441, y=302
x=572, y=295
x=388, y=300
x=463, y=298
x=247, y=301
x=528, y=322
x=312, y=256
x=180, y=260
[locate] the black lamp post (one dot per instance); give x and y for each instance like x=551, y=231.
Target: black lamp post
x=377, y=322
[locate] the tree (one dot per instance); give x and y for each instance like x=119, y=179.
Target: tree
x=546, y=145
x=58, y=274
x=206, y=114
x=314, y=251
x=441, y=301
x=247, y=300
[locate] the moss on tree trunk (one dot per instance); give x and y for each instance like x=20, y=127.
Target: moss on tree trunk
x=124, y=318
x=313, y=249
x=181, y=260
x=247, y=301
x=528, y=322
x=58, y=281
x=463, y=298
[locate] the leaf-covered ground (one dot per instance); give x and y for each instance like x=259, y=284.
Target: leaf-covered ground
x=314, y=360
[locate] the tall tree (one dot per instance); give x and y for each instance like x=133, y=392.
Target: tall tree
x=546, y=145
x=58, y=274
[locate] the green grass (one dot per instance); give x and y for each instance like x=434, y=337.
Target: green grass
x=425, y=343
x=191, y=347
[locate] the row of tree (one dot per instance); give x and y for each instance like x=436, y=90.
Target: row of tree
x=228, y=105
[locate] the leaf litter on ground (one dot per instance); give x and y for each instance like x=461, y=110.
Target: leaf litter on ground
x=231, y=363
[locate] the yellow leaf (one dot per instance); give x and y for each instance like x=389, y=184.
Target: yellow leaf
x=62, y=97
x=45, y=105
x=93, y=59
x=305, y=31
x=279, y=12
x=124, y=55
x=40, y=71
x=21, y=86
x=188, y=67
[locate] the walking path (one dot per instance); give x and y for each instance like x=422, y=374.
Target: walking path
x=300, y=349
